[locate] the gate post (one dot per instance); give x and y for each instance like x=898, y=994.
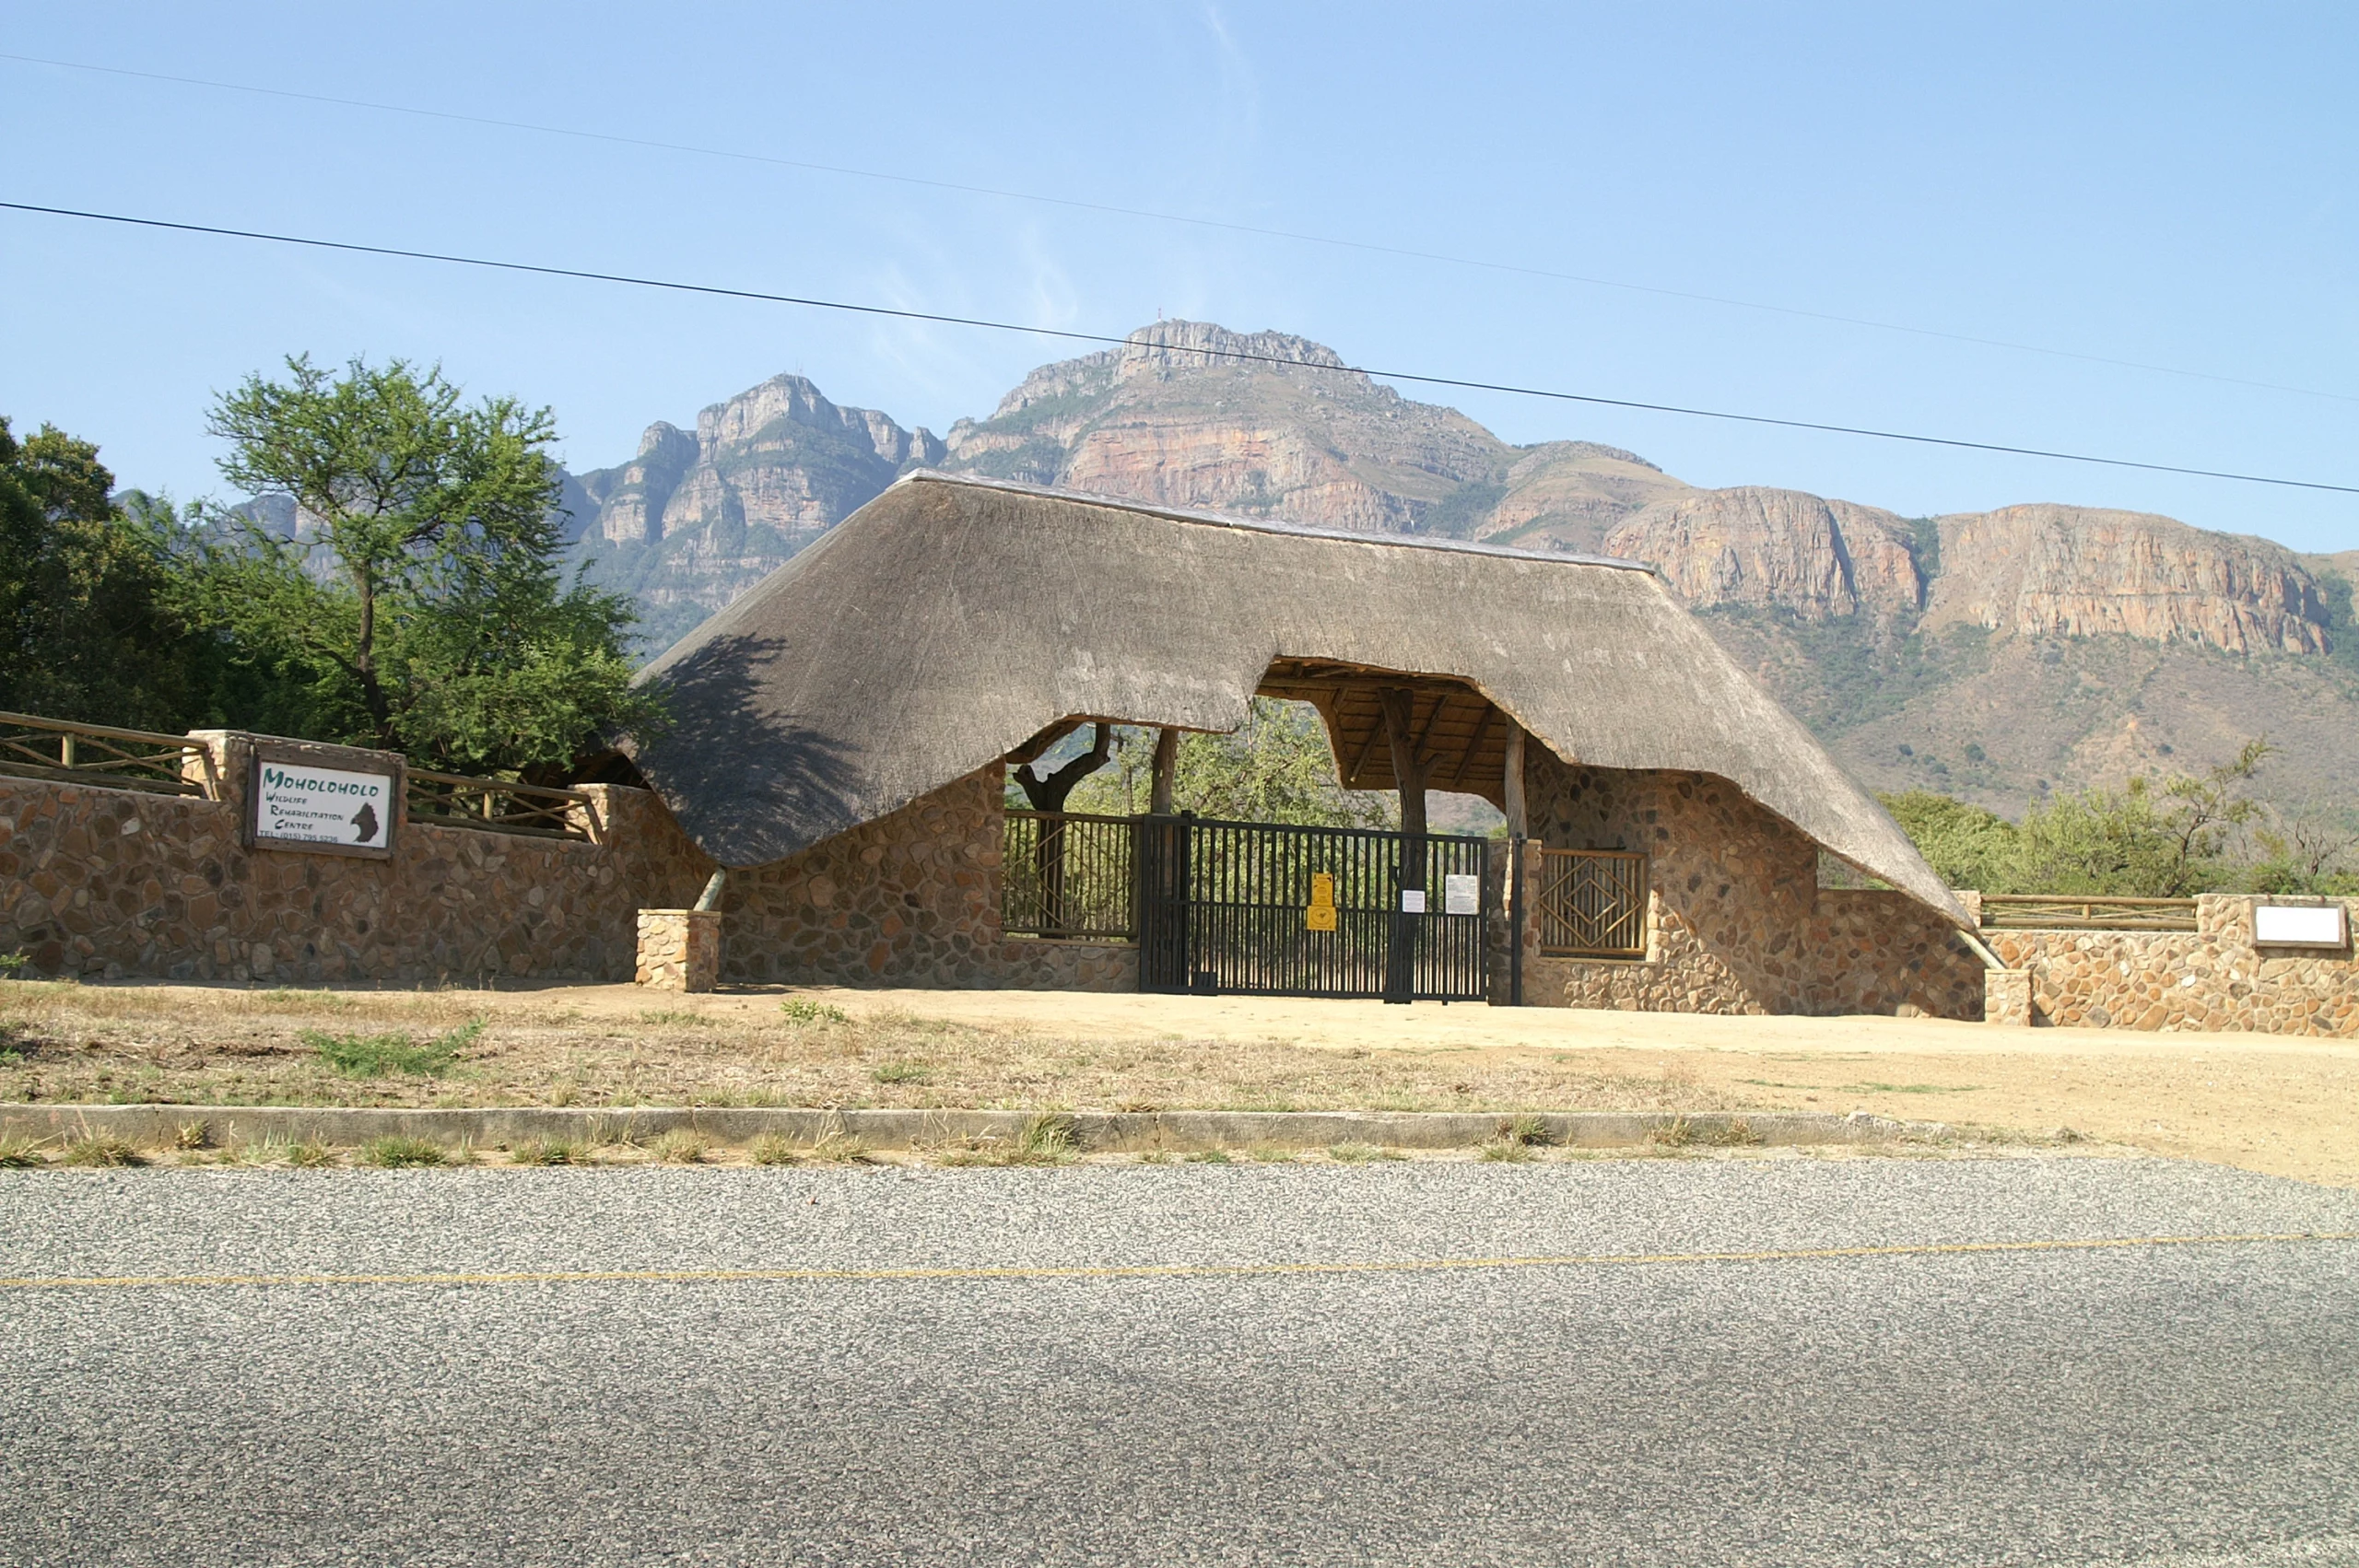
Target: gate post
x=1515, y=920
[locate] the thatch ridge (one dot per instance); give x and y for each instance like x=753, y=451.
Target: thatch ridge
x=951, y=619
x=1261, y=524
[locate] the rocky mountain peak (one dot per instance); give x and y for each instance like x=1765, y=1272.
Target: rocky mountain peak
x=1178, y=345
x=1991, y=654
x=1170, y=417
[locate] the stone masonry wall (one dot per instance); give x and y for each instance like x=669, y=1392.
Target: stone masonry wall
x=1737, y=921
x=108, y=883
x=111, y=882
x=909, y=899
x=2213, y=978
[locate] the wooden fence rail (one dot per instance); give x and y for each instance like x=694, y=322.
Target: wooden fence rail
x=2050, y=912
x=68, y=753
x=32, y=747
x=496, y=805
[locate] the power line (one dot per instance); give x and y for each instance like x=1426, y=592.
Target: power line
x=985, y=324
x=1298, y=235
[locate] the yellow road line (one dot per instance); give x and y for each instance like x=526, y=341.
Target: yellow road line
x=1149, y=1270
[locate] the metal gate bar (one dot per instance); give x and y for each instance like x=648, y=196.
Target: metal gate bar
x=1222, y=906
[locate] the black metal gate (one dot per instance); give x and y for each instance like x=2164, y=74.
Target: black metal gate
x=1268, y=909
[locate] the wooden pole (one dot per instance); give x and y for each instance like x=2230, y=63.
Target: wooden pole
x=1408, y=769
x=1409, y=772
x=1517, y=825
x=1167, y=771
x=1518, y=831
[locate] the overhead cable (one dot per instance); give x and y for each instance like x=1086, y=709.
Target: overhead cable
x=1076, y=204
x=985, y=324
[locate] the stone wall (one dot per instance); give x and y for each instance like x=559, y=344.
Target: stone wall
x=2213, y=977
x=110, y=883
x=909, y=899
x=1736, y=919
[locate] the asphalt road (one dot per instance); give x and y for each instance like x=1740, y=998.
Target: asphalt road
x=1282, y=1392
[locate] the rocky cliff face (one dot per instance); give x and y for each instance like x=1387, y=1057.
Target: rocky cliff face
x=1291, y=434
x=1569, y=495
x=2074, y=571
x=1776, y=548
x=695, y=520
x=1992, y=655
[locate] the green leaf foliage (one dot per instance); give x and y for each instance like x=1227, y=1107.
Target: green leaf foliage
x=1967, y=846
x=92, y=625
x=2170, y=837
x=418, y=606
x=1277, y=767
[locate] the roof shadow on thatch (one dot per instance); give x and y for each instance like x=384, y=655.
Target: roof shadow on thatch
x=772, y=778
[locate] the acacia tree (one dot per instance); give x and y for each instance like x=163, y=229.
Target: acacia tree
x=420, y=586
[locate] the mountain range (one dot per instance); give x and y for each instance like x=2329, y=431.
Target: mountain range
x=1996, y=656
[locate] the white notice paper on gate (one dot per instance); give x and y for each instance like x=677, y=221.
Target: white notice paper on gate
x=1462, y=894
x=1413, y=900
x=322, y=805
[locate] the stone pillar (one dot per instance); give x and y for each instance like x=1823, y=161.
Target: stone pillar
x=679, y=950
x=2006, y=997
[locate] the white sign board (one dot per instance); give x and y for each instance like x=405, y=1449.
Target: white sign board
x=1413, y=900
x=1462, y=894
x=299, y=804
x=2298, y=925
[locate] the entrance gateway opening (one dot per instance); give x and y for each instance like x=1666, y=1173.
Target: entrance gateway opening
x=1280, y=909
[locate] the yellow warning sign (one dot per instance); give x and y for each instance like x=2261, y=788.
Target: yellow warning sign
x=1320, y=915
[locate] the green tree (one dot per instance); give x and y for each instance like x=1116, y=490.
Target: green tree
x=419, y=602
x=1967, y=846
x=1277, y=767
x=2144, y=839
x=92, y=625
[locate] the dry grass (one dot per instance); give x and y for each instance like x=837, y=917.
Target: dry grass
x=225, y=1047
x=2282, y=1107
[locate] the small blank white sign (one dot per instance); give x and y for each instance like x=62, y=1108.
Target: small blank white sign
x=1413, y=900
x=1462, y=893
x=2297, y=925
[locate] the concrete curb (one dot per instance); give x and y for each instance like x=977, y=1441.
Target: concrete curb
x=1107, y=1131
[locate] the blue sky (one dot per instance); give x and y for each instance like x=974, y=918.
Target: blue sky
x=2168, y=185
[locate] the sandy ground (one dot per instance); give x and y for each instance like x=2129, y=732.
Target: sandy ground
x=2284, y=1107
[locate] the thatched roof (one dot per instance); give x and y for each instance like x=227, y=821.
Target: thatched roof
x=953, y=619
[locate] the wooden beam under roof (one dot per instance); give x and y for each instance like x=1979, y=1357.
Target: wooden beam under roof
x=1460, y=725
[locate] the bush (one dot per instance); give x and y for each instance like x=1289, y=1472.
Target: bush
x=102, y=1149
x=392, y=1154
x=374, y=1055
x=2169, y=838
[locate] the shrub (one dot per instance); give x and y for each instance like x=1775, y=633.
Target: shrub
x=396, y=1153
x=374, y=1055
x=102, y=1149
x=770, y=1148
x=802, y=1010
